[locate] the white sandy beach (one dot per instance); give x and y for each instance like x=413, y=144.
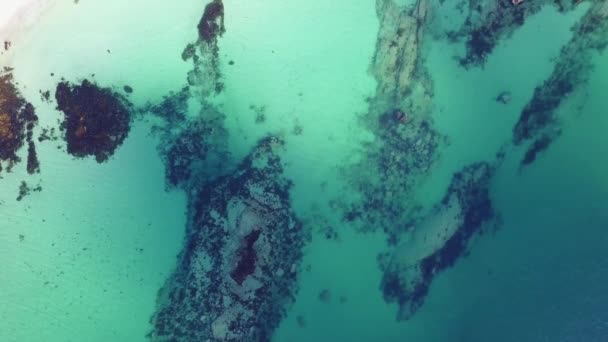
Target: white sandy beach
x=16, y=16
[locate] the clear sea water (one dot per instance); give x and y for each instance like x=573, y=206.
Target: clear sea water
x=83, y=259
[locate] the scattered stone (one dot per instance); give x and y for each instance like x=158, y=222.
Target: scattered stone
x=128, y=89
x=301, y=321
x=260, y=113
x=330, y=232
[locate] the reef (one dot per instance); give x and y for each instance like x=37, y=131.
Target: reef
x=17, y=122
x=242, y=253
x=97, y=120
x=440, y=239
x=537, y=120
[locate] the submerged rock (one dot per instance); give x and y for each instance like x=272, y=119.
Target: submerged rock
x=239, y=265
x=97, y=120
x=440, y=239
x=489, y=22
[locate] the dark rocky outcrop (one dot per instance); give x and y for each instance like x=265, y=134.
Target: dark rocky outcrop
x=17, y=121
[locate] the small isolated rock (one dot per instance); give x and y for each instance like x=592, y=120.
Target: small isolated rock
x=325, y=296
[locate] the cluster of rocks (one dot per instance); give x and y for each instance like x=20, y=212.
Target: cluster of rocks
x=537, y=121
x=97, y=120
x=242, y=253
x=17, y=122
x=439, y=239
x=204, y=52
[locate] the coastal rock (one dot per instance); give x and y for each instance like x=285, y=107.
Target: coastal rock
x=97, y=120
x=241, y=234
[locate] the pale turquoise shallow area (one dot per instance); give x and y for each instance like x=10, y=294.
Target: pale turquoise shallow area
x=100, y=240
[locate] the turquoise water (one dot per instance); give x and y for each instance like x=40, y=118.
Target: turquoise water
x=87, y=256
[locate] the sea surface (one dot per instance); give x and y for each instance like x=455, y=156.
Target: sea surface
x=87, y=257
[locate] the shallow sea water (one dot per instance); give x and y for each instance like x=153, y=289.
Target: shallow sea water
x=85, y=258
